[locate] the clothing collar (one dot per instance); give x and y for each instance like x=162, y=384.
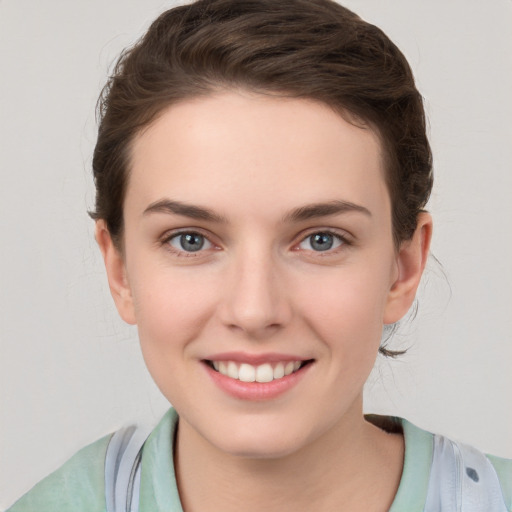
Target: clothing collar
x=159, y=491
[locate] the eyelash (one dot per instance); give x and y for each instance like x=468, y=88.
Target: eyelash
x=166, y=241
x=342, y=239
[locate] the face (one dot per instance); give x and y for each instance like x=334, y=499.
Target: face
x=259, y=266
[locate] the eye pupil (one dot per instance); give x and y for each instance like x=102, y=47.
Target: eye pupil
x=191, y=242
x=322, y=241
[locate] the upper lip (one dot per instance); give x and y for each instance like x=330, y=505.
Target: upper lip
x=255, y=359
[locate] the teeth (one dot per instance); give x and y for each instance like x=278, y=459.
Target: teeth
x=247, y=373
x=263, y=373
x=232, y=370
x=279, y=371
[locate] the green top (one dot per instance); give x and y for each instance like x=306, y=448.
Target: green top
x=79, y=486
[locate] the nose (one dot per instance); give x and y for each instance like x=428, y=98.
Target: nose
x=255, y=297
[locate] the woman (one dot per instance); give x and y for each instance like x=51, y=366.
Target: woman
x=261, y=171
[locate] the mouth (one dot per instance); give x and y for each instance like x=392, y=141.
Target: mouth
x=261, y=373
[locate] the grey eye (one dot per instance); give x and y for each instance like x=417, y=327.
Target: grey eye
x=189, y=242
x=321, y=241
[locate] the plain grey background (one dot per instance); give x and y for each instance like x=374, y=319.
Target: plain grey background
x=71, y=371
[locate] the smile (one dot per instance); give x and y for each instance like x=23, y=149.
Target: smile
x=254, y=377
x=265, y=372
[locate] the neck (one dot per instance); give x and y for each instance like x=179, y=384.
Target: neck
x=341, y=470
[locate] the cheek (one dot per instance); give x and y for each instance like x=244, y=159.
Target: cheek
x=171, y=308
x=346, y=309
x=171, y=313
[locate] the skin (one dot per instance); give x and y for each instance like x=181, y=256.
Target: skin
x=258, y=286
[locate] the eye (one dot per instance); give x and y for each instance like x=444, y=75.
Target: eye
x=189, y=242
x=322, y=241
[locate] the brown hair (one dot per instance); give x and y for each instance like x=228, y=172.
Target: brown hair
x=313, y=49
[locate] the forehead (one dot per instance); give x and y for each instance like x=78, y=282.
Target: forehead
x=260, y=150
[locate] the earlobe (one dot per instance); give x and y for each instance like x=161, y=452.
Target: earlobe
x=411, y=260
x=116, y=273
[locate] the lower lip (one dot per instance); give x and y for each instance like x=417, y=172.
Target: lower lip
x=256, y=391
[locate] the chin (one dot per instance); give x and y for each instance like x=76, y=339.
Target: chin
x=261, y=451
x=261, y=442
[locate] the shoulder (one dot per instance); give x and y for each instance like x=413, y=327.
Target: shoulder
x=458, y=475
x=78, y=485
x=503, y=468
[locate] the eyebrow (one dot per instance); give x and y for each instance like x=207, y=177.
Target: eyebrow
x=310, y=211
x=186, y=210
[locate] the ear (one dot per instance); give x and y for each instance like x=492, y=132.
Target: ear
x=116, y=273
x=411, y=260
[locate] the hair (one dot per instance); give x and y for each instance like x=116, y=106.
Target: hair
x=312, y=49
